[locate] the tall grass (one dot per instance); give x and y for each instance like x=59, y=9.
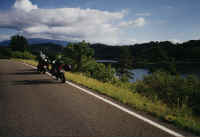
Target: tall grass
x=181, y=117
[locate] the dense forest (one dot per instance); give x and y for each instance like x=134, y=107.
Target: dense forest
x=153, y=51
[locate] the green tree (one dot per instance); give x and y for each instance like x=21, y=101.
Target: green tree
x=19, y=43
x=78, y=53
x=99, y=71
x=125, y=64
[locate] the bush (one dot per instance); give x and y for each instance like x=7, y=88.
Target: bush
x=5, y=52
x=79, y=53
x=23, y=55
x=99, y=71
x=193, y=94
x=175, y=91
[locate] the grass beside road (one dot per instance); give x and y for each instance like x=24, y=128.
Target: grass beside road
x=180, y=117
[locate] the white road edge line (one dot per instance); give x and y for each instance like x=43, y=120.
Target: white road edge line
x=121, y=108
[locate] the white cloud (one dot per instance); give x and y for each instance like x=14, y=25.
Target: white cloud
x=4, y=37
x=140, y=22
x=24, y=5
x=127, y=41
x=68, y=23
x=146, y=14
x=175, y=41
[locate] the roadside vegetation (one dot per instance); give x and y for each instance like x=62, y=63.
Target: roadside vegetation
x=6, y=53
x=18, y=48
x=163, y=94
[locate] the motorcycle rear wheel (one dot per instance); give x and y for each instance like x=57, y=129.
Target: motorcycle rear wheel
x=63, y=78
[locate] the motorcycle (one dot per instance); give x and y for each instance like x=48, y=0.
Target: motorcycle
x=43, y=66
x=61, y=74
x=58, y=72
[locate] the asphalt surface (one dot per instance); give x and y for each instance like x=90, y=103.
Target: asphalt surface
x=33, y=104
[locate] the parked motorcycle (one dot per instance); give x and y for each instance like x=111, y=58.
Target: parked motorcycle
x=61, y=73
x=43, y=66
x=57, y=70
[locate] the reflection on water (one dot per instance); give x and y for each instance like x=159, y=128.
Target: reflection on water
x=138, y=74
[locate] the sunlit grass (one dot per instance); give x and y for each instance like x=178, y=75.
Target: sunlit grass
x=181, y=117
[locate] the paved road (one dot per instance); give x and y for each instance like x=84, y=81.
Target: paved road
x=33, y=104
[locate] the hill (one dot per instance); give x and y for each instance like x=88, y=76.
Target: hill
x=37, y=41
x=152, y=51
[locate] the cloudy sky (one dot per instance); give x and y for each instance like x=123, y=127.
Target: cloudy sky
x=105, y=21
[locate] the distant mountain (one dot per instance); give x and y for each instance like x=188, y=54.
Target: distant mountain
x=4, y=43
x=40, y=41
x=37, y=41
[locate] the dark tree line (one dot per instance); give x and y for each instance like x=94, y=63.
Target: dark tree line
x=19, y=43
x=153, y=51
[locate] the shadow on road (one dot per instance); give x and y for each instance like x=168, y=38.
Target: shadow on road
x=22, y=73
x=27, y=70
x=25, y=73
x=34, y=82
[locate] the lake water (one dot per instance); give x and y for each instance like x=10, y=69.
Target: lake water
x=138, y=74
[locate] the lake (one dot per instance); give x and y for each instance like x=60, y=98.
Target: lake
x=140, y=73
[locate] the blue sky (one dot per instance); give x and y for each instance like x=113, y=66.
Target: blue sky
x=106, y=21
